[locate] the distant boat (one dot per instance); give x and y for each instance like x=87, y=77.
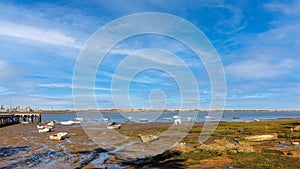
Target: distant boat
x=143, y=120
x=256, y=120
x=58, y=136
x=79, y=119
x=167, y=118
x=130, y=118
x=176, y=117
x=207, y=117
x=295, y=143
x=70, y=122
x=236, y=117
x=114, y=125
x=24, y=122
x=190, y=119
x=105, y=119
x=44, y=130
x=148, y=138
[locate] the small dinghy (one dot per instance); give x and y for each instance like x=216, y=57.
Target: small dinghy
x=58, y=136
x=44, y=130
x=114, y=125
x=148, y=138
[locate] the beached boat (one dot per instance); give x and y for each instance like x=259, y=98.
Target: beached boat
x=44, y=126
x=148, y=138
x=51, y=123
x=177, y=121
x=44, y=130
x=295, y=143
x=264, y=137
x=25, y=122
x=70, y=122
x=114, y=125
x=58, y=136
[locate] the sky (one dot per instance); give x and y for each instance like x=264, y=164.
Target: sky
x=258, y=43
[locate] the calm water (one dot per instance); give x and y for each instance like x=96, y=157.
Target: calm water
x=159, y=117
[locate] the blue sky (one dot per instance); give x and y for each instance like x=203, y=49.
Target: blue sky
x=258, y=43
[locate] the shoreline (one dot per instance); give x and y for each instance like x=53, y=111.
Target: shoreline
x=23, y=144
x=161, y=111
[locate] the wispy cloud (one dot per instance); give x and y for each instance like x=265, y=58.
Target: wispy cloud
x=257, y=68
x=38, y=34
x=287, y=8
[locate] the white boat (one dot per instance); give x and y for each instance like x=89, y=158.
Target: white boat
x=39, y=126
x=114, y=125
x=24, y=122
x=44, y=130
x=51, y=123
x=143, y=120
x=256, y=120
x=79, y=119
x=44, y=126
x=105, y=119
x=190, y=119
x=207, y=117
x=130, y=118
x=167, y=118
x=70, y=122
x=177, y=121
x=58, y=136
x=176, y=117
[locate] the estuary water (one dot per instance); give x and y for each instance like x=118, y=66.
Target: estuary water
x=167, y=116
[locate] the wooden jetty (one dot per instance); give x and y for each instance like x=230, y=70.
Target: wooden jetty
x=19, y=117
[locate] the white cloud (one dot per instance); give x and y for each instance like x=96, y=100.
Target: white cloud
x=287, y=8
x=37, y=34
x=56, y=85
x=66, y=85
x=257, y=68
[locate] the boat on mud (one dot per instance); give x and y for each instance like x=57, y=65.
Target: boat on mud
x=149, y=138
x=58, y=136
x=44, y=126
x=70, y=122
x=44, y=130
x=114, y=125
x=259, y=138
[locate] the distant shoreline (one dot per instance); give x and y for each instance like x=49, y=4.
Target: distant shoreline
x=146, y=111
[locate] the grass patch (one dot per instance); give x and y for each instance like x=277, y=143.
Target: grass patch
x=262, y=160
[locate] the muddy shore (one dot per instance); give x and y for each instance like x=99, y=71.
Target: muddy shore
x=22, y=146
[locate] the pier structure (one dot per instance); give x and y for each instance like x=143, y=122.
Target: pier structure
x=19, y=117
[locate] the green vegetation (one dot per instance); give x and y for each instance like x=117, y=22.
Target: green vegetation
x=263, y=160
